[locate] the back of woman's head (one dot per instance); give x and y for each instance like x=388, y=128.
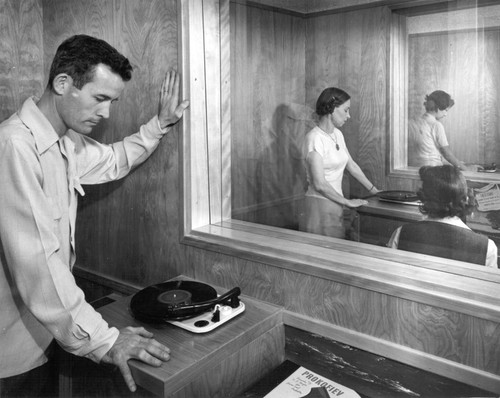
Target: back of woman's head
x=438, y=100
x=444, y=192
x=329, y=99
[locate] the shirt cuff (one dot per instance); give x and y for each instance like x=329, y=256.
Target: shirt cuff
x=163, y=131
x=109, y=338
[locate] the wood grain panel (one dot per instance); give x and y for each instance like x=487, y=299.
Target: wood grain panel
x=62, y=19
x=237, y=372
x=268, y=118
x=21, y=53
x=460, y=63
x=356, y=62
x=128, y=217
x=447, y=334
x=118, y=237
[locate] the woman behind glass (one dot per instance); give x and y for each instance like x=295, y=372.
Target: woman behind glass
x=326, y=157
x=446, y=201
x=428, y=144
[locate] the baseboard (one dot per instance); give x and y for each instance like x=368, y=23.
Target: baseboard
x=117, y=285
x=421, y=360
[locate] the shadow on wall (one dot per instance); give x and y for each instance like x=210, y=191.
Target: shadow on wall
x=278, y=182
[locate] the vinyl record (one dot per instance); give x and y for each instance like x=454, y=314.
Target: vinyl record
x=173, y=300
x=400, y=196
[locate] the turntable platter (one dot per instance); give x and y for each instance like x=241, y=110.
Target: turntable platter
x=173, y=300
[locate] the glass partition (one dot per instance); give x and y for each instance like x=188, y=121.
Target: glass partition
x=281, y=60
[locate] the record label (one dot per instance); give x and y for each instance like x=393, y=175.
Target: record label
x=175, y=296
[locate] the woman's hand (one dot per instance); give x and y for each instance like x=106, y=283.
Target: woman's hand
x=356, y=202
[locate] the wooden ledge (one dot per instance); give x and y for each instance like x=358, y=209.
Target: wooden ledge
x=447, y=284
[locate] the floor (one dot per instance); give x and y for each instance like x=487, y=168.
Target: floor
x=369, y=375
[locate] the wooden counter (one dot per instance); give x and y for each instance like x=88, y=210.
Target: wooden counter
x=375, y=222
x=220, y=363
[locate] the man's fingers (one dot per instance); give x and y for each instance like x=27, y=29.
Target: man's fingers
x=152, y=357
x=143, y=332
x=127, y=375
x=181, y=108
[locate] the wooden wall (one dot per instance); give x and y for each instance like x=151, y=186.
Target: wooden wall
x=21, y=53
x=427, y=329
x=129, y=230
x=280, y=64
x=268, y=114
x=349, y=50
x=464, y=64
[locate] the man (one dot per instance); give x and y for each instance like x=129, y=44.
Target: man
x=45, y=156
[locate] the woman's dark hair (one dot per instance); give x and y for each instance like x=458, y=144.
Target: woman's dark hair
x=329, y=99
x=438, y=100
x=79, y=55
x=444, y=192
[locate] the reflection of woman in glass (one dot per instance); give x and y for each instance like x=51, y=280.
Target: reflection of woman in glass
x=326, y=156
x=446, y=202
x=426, y=136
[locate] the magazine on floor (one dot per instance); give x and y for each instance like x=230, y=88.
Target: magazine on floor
x=305, y=383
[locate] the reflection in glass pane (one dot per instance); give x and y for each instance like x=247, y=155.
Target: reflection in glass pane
x=281, y=61
x=268, y=115
x=457, y=52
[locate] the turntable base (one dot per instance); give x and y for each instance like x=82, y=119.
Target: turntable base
x=220, y=363
x=203, y=323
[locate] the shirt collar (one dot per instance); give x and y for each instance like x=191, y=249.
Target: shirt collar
x=44, y=134
x=429, y=116
x=456, y=221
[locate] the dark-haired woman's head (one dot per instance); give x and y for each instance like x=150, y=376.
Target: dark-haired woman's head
x=329, y=99
x=444, y=192
x=79, y=55
x=438, y=101
x=335, y=102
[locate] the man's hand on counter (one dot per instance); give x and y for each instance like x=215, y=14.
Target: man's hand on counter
x=135, y=343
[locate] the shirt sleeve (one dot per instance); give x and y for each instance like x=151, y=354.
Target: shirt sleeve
x=492, y=254
x=394, y=240
x=440, y=135
x=313, y=143
x=31, y=252
x=98, y=163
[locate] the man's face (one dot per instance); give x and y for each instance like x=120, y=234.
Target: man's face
x=81, y=110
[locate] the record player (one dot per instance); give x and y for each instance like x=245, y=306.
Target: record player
x=190, y=305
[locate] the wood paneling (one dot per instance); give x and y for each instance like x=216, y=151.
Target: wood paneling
x=280, y=65
x=135, y=219
x=268, y=116
x=464, y=64
x=223, y=362
x=21, y=53
x=349, y=51
x=129, y=230
x=457, y=337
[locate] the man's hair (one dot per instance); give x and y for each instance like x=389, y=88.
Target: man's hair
x=79, y=56
x=444, y=192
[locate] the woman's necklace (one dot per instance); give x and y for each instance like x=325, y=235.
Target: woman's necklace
x=334, y=140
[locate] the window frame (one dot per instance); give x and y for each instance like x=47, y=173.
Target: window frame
x=205, y=158
x=398, y=99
